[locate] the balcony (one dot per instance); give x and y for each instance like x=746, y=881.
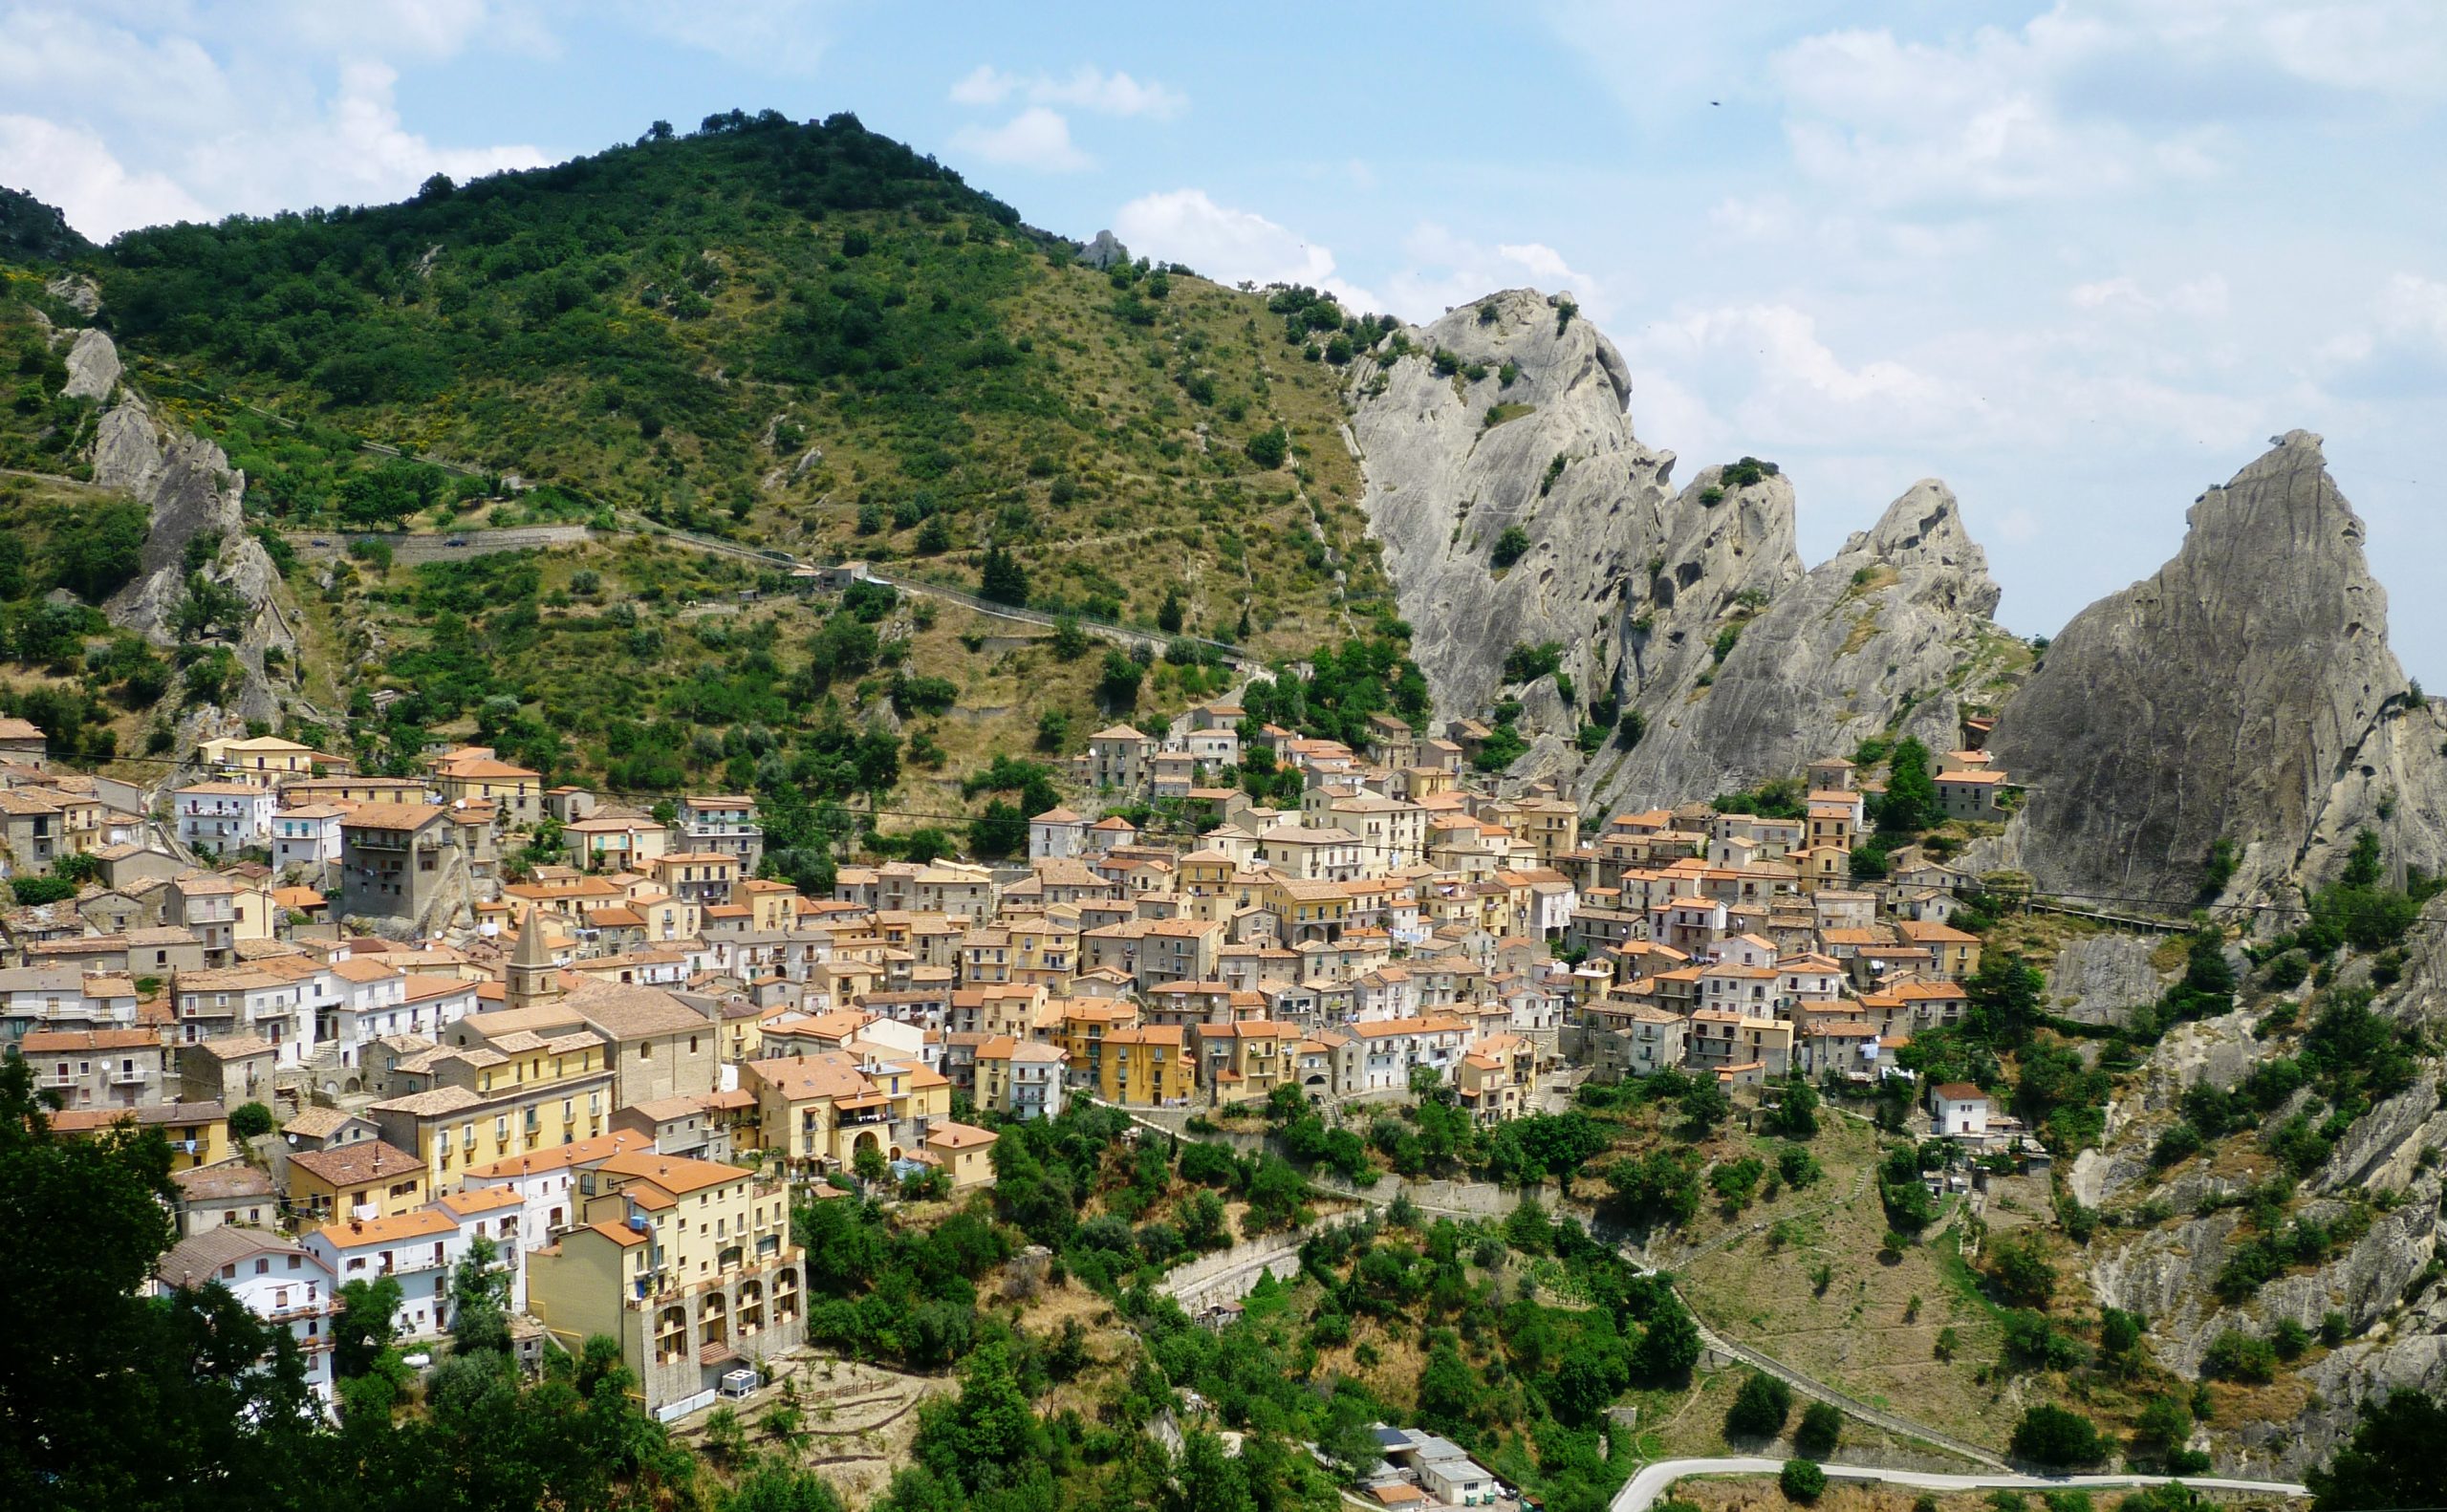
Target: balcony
x=126, y=1077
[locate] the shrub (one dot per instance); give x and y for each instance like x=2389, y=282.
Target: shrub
x=1801, y=1481
x=250, y=1121
x=2237, y=1356
x=2050, y=1435
x=1511, y=547
x=1268, y=447
x=1760, y=1409
x=1821, y=1425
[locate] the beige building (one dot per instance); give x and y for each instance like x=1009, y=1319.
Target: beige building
x=687, y=1263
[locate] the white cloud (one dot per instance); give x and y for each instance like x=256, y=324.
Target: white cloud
x=2205, y=298
x=128, y=126
x=785, y=37
x=1036, y=137
x=2399, y=345
x=1084, y=87
x=1444, y=270
x=74, y=170
x=1792, y=386
x=1230, y=245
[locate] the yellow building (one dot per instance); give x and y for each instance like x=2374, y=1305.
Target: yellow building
x=1494, y=1079
x=1045, y=950
x=687, y=1263
x=1146, y=1066
x=346, y=1180
x=1243, y=1061
x=770, y=905
x=963, y=1151
x=198, y=1133
x=475, y=775
x=518, y=1091
x=263, y=758
x=818, y=1111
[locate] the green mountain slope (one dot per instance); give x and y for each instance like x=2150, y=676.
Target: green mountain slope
x=805, y=339
x=807, y=335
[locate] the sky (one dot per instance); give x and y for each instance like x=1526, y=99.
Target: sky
x=2079, y=259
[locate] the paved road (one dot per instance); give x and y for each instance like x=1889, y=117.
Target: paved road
x=1644, y=1488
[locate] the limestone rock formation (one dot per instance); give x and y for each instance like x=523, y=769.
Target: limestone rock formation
x=93, y=367
x=1890, y=635
x=191, y=490
x=2247, y=691
x=1104, y=252
x=1538, y=440
x=2100, y=979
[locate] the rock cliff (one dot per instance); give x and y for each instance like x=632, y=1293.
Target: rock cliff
x=1517, y=506
x=190, y=489
x=2247, y=691
x=1537, y=439
x=1891, y=634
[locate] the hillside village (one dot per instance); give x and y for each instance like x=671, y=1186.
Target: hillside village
x=646, y=1032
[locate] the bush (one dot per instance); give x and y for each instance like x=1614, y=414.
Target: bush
x=1801, y=1481
x=2237, y=1356
x=1268, y=447
x=2050, y=1435
x=1822, y=1426
x=1511, y=547
x=1760, y=1410
x=250, y=1121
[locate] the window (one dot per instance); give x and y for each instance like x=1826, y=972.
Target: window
x=645, y=1051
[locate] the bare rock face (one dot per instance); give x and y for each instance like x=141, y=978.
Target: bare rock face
x=2100, y=979
x=1890, y=635
x=191, y=490
x=93, y=367
x=2245, y=692
x=1451, y=461
x=1104, y=252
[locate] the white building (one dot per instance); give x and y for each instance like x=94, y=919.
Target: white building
x=1057, y=835
x=415, y=1249
x=280, y=1281
x=225, y=815
x=1960, y=1110
x=307, y=836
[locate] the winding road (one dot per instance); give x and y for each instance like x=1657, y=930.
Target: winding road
x=1642, y=1490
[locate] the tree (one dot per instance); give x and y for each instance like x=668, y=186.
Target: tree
x=1796, y=1115
x=876, y=757
x=2007, y=994
x=480, y=1300
x=2392, y=1459
x=1268, y=447
x=250, y=1121
x=2164, y=1426
x=1704, y=1104
x=1821, y=1425
x=871, y=1165
x=772, y=1485
x=2020, y=1273
x=1002, y=578
x=1760, y=1408
x=366, y=1323
x=108, y=1397
x=1801, y=1481
x=2050, y=1435
x=1511, y=545
x=1001, y=830
x=1069, y=638
x=1910, y=803
x=1169, y=614
x=1670, y=1346
x=1119, y=684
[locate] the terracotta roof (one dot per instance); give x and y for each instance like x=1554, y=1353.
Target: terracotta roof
x=357, y=1233
x=365, y=1160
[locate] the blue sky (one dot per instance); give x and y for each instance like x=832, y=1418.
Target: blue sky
x=2079, y=259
